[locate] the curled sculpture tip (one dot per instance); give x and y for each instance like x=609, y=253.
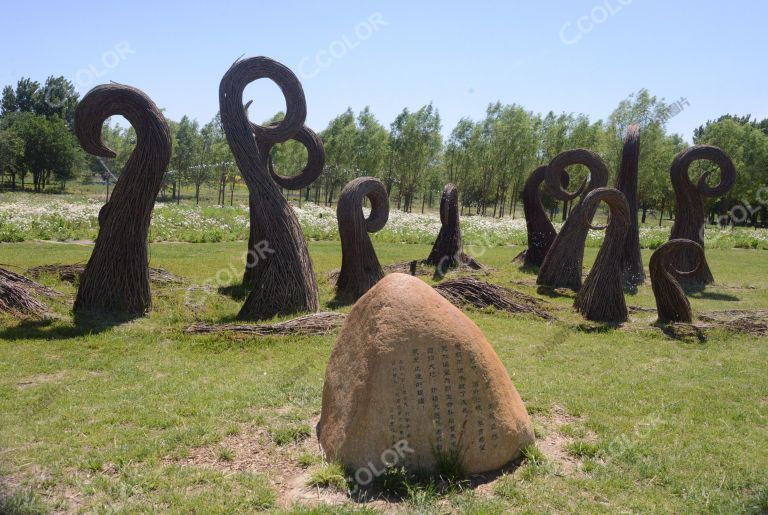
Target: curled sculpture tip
x=598, y=172
x=313, y=168
x=684, y=159
x=668, y=250
x=451, y=196
x=108, y=100
x=618, y=208
x=351, y=199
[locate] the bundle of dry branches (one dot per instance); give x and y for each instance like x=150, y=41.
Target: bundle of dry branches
x=468, y=291
x=448, y=249
x=626, y=182
x=601, y=299
x=562, y=265
x=116, y=278
x=541, y=232
x=360, y=268
x=72, y=273
x=312, y=324
x=689, y=208
x=671, y=302
x=280, y=268
x=16, y=295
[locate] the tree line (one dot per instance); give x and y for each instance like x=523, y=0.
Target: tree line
x=488, y=159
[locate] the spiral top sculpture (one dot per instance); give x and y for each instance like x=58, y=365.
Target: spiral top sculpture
x=562, y=265
x=116, y=278
x=689, y=207
x=601, y=299
x=360, y=268
x=626, y=182
x=541, y=232
x=279, y=266
x=448, y=249
x=671, y=302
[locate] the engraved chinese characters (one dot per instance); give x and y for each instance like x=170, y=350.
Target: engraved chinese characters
x=410, y=368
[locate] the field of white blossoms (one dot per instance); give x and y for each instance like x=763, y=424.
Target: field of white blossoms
x=26, y=216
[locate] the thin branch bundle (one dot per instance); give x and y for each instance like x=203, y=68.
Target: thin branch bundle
x=72, y=273
x=601, y=298
x=562, y=265
x=16, y=295
x=671, y=301
x=689, y=208
x=308, y=325
x=448, y=249
x=116, y=278
x=541, y=232
x=468, y=291
x=360, y=268
x=280, y=266
x=626, y=182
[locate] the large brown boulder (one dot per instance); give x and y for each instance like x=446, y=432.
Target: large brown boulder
x=413, y=382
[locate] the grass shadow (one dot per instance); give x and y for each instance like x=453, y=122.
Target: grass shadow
x=555, y=293
x=710, y=295
x=235, y=291
x=681, y=332
x=53, y=329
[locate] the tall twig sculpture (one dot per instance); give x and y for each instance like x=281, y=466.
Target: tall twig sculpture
x=282, y=274
x=671, y=302
x=601, y=298
x=448, y=249
x=116, y=278
x=562, y=265
x=541, y=232
x=312, y=170
x=626, y=182
x=360, y=268
x=689, y=207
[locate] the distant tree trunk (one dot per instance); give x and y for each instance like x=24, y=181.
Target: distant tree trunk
x=689, y=208
x=661, y=211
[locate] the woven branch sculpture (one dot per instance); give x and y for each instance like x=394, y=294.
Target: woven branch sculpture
x=280, y=268
x=116, y=277
x=562, y=265
x=671, y=302
x=448, y=249
x=689, y=207
x=360, y=268
x=626, y=182
x=601, y=298
x=541, y=232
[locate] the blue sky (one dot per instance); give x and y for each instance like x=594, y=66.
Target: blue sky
x=580, y=56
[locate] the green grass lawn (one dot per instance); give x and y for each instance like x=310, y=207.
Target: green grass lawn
x=143, y=417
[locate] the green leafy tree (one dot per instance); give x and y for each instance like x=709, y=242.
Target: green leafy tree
x=11, y=154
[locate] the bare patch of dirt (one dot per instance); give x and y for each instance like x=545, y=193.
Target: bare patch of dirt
x=554, y=443
x=36, y=380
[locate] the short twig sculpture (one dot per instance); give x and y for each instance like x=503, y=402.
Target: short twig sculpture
x=689, y=207
x=626, y=182
x=360, y=268
x=601, y=298
x=448, y=249
x=562, y=265
x=116, y=278
x=671, y=302
x=282, y=276
x=541, y=232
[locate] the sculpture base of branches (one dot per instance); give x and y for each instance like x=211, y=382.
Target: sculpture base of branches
x=308, y=325
x=16, y=295
x=467, y=291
